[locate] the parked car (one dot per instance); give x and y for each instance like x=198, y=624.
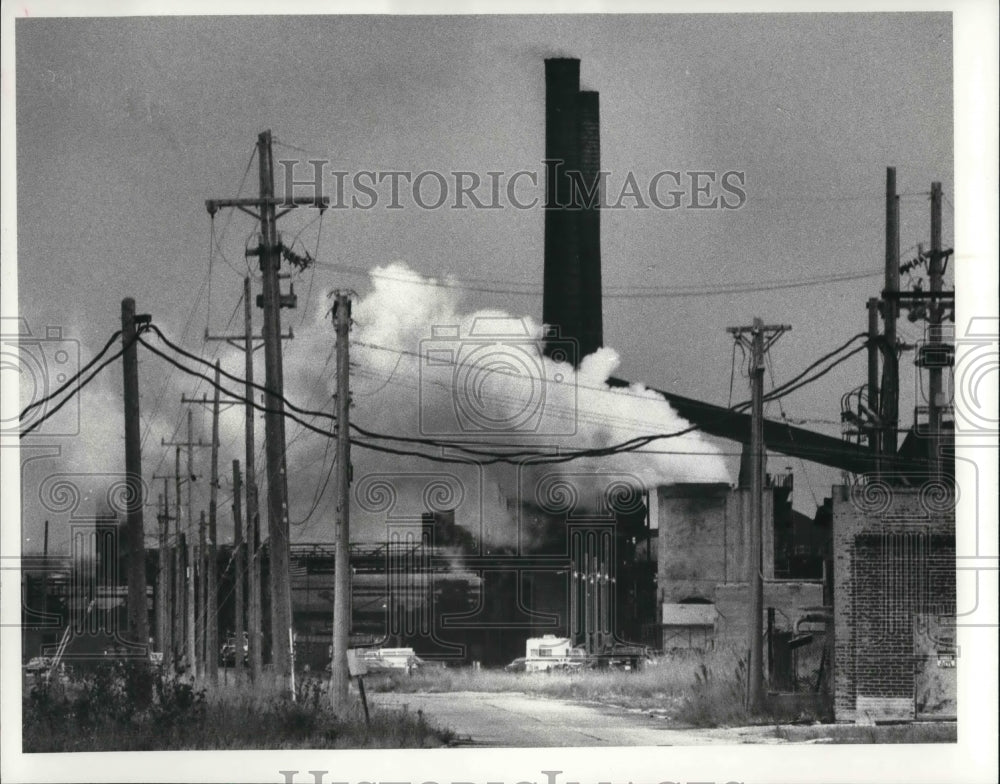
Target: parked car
x=518, y=665
x=227, y=654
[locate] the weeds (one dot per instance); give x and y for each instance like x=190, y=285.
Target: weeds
x=130, y=707
x=659, y=686
x=716, y=702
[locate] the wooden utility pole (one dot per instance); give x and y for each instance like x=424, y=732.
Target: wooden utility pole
x=192, y=558
x=340, y=676
x=274, y=419
x=174, y=650
x=138, y=618
x=162, y=580
x=170, y=610
x=249, y=343
x=890, y=304
x=874, y=415
x=253, y=515
x=208, y=553
x=212, y=597
x=180, y=562
x=45, y=574
x=188, y=547
x=238, y=560
x=760, y=339
x=270, y=250
x=935, y=338
x=202, y=604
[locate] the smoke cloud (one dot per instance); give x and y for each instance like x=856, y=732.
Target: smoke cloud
x=422, y=367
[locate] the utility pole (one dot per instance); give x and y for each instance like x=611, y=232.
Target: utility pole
x=760, y=339
x=175, y=566
x=256, y=636
x=180, y=560
x=890, y=304
x=192, y=559
x=934, y=384
x=874, y=415
x=249, y=343
x=270, y=250
x=212, y=611
x=138, y=619
x=162, y=579
x=188, y=546
x=167, y=570
x=274, y=419
x=45, y=574
x=202, y=628
x=340, y=676
x=238, y=557
x=208, y=554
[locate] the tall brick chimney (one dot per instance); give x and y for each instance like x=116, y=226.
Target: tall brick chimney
x=589, y=226
x=572, y=277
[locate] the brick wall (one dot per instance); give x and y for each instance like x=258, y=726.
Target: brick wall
x=893, y=557
x=703, y=537
x=790, y=598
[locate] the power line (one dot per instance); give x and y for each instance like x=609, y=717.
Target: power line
x=788, y=387
x=77, y=375
x=474, y=455
x=52, y=412
x=781, y=408
x=696, y=290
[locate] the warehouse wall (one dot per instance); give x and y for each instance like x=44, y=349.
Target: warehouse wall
x=703, y=537
x=893, y=568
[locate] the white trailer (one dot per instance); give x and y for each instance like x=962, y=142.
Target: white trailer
x=550, y=652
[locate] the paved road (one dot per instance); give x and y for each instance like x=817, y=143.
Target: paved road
x=521, y=720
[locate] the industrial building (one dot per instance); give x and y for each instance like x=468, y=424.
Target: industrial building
x=865, y=590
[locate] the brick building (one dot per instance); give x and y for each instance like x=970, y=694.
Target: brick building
x=704, y=566
x=894, y=602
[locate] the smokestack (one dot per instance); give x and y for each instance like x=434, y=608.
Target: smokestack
x=572, y=277
x=561, y=301
x=589, y=219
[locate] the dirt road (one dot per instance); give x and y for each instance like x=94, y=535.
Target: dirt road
x=523, y=721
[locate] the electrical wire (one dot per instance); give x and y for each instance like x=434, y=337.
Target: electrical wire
x=482, y=457
x=819, y=361
x=53, y=411
x=645, y=292
x=732, y=373
x=70, y=381
x=312, y=272
x=781, y=409
x=786, y=390
x=486, y=457
x=792, y=385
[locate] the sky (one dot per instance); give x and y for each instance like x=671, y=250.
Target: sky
x=125, y=126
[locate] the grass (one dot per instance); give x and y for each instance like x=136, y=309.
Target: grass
x=921, y=732
x=699, y=690
x=654, y=687
x=129, y=708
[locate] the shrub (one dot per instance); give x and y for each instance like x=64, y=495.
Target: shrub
x=125, y=707
x=716, y=701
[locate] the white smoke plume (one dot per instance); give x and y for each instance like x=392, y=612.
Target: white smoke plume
x=421, y=367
